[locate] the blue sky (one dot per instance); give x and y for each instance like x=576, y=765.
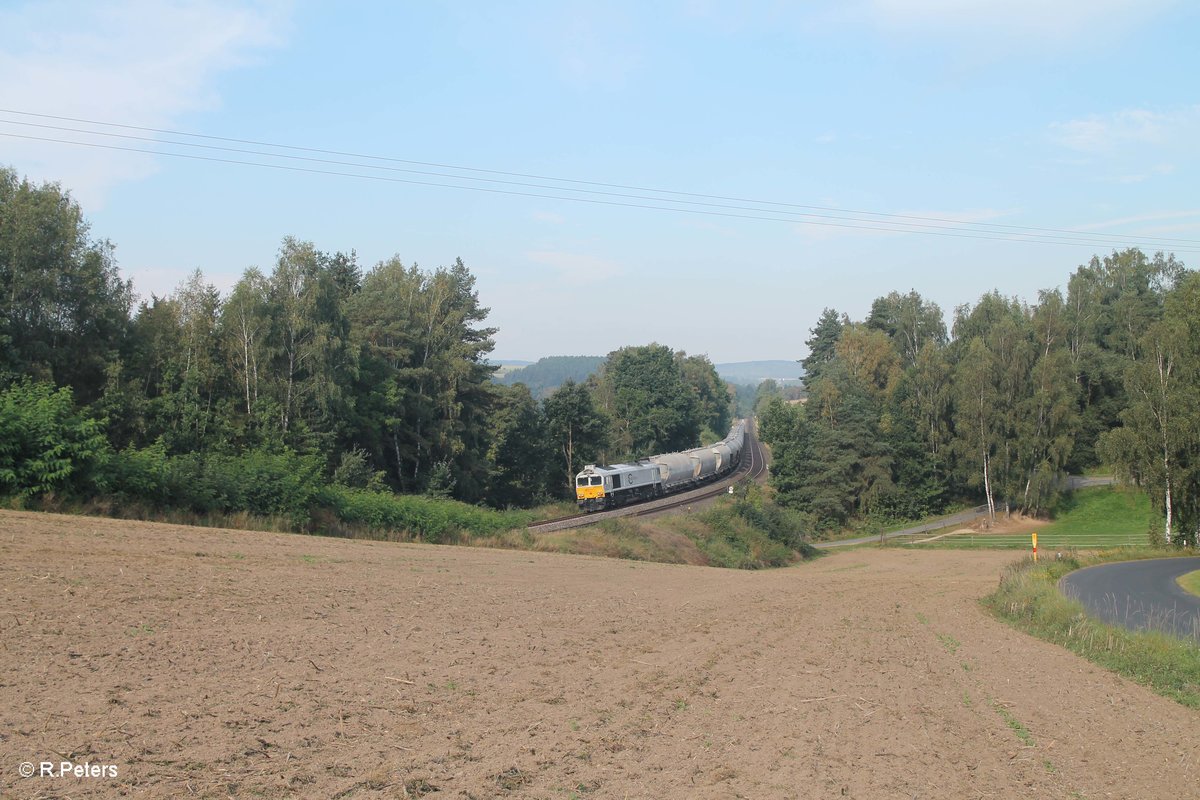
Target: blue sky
x=1078, y=117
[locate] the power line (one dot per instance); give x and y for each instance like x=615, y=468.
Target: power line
x=997, y=236
x=910, y=227
x=436, y=165
x=894, y=223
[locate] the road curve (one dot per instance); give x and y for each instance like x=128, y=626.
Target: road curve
x=1138, y=594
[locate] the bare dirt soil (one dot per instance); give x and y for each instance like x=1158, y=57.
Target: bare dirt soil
x=216, y=663
x=1015, y=522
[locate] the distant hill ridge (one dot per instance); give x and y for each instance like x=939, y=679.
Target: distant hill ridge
x=752, y=373
x=547, y=374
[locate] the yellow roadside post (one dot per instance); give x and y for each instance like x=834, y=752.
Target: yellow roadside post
x=1035, y=546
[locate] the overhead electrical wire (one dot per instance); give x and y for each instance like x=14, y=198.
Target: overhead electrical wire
x=910, y=227
x=704, y=204
x=556, y=179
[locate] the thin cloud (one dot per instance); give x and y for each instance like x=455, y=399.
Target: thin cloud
x=1141, y=219
x=1062, y=19
x=138, y=63
x=576, y=266
x=1130, y=146
x=594, y=47
x=1142, y=177
x=1105, y=133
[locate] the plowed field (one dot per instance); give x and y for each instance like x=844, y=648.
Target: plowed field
x=216, y=663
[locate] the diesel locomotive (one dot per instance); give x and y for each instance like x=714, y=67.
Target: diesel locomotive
x=599, y=487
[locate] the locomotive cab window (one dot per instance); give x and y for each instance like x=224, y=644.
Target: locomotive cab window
x=596, y=480
x=582, y=481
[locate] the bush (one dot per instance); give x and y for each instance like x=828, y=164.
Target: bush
x=354, y=472
x=780, y=524
x=752, y=532
x=426, y=518
x=140, y=474
x=45, y=444
x=730, y=541
x=256, y=482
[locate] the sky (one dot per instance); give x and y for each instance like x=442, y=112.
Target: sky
x=706, y=175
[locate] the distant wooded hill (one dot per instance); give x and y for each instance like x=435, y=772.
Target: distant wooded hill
x=752, y=373
x=547, y=374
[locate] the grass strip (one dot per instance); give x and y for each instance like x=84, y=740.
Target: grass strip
x=1029, y=599
x=1190, y=582
x=1092, y=518
x=1014, y=724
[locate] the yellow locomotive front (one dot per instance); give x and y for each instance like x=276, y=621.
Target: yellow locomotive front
x=589, y=490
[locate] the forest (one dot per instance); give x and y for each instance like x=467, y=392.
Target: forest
x=320, y=388
x=905, y=416
x=314, y=384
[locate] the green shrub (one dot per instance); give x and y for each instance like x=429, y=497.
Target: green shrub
x=46, y=444
x=426, y=518
x=140, y=474
x=785, y=526
x=354, y=472
x=256, y=482
x=749, y=533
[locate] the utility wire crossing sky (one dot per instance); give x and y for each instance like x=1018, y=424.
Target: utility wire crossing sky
x=705, y=175
x=907, y=223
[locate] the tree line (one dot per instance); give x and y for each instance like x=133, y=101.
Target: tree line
x=372, y=379
x=903, y=415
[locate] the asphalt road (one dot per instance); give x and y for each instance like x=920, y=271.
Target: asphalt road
x=1139, y=594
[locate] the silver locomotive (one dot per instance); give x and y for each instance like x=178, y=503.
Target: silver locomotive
x=599, y=487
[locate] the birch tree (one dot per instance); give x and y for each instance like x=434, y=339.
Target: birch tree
x=976, y=417
x=1047, y=418
x=1158, y=443
x=244, y=323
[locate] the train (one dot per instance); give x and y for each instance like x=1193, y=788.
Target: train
x=599, y=487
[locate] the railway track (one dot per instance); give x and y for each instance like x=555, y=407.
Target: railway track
x=753, y=468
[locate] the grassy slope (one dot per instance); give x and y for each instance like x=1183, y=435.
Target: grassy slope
x=1097, y=517
x=717, y=537
x=1191, y=582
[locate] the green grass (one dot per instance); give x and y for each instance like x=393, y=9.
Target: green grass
x=1103, y=511
x=949, y=642
x=1191, y=582
x=1014, y=724
x=1028, y=598
x=1094, y=518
